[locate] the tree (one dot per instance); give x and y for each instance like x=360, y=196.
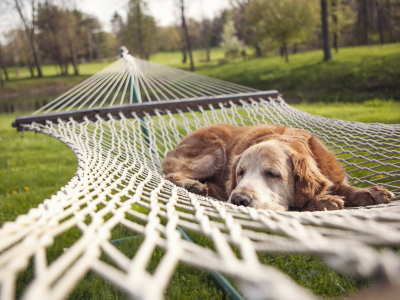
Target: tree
x=93, y=31
x=281, y=22
x=169, y=38
x=325, y=31
x=230, y=41
x=343, y=17
x=141, y=30
x=71, y=26
x=118, y=28
x=30, y=32
x=363, y=21
x=207, y=36
x=3, y=63
x=52, y=37
x=186, y=35
x=244, y=33
x=21, y=43
x=89, y=34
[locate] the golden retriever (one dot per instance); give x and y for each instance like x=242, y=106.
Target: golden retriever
x=265, y=166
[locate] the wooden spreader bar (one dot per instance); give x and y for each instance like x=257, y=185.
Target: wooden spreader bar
x=140, y=108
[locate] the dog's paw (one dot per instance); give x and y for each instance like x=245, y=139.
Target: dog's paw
x=362, y=197
x=174, y=178
x=369, y=196
x=380, y=194
x=195, y=187
x=325, y=202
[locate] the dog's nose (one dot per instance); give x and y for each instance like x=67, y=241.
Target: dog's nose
x=241, y=199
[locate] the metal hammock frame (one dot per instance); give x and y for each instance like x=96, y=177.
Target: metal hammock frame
x=119, y=143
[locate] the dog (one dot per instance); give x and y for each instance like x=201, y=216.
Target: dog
x=265, y=167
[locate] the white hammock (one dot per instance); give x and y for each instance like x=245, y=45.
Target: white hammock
x=119, y=146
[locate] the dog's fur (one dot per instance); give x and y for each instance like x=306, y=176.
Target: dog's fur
x=265, y=166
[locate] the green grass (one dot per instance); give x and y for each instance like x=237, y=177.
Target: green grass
x=217, y=58
x=51, y=77
x=35, y=167
x=86, y=69
x=43, y=165
x=353, y=75
x=373, y=111
x=36, y=162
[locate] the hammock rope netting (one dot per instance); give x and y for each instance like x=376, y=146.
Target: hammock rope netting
x=119, y=184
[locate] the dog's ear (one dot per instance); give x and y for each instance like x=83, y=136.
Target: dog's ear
x=232, y=183
x=309, y=181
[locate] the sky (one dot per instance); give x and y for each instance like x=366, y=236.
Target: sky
x=165, y=12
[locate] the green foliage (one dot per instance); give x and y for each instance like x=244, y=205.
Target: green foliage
x=169, y=38
x=282, y=22
x=141, y=30
x=342, y=16
x=230, y=41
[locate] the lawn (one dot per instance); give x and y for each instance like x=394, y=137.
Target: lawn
x=355, y=74
x=51, y=77
x=35, y=167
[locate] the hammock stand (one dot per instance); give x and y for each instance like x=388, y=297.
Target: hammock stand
x=119, y=143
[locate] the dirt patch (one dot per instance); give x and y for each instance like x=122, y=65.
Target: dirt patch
x=37, y=91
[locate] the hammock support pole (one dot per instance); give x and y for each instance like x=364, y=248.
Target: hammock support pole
x=135, y=91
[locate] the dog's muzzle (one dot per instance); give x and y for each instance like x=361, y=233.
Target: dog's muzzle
x=241, y=199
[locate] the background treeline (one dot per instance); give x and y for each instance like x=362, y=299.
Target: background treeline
x=55, y=32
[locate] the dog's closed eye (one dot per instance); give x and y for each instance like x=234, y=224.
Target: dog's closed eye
x=240, y=172
x=269, y=174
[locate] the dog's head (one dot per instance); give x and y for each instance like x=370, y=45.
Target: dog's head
x=274, y=175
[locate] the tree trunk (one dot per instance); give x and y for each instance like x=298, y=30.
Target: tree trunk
x=364, y=8
x=71, y=41
x=74, y=58
x=388, y=15
x=336, y=42
x=26, y=51
x=61, y=61
x=98, y=46
x=90, y=40
x=3, y=62
x=285, y=50
x=187, y=38
x=335, y=22
x=184, y=56
x=31, y=37
x=325, y=31
x=1, y=78
x=294, y=48
x=207, y=38
x=139, y=25
x=30, y=67
x=258, y=50
x=66, y=68
x=379, y=13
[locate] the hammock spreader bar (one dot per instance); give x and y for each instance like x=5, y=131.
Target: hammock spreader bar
x=139, y=108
